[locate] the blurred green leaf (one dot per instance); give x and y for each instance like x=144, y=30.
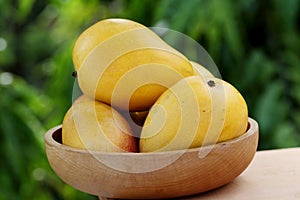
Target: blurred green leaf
x=24, y=7
x=285, y=136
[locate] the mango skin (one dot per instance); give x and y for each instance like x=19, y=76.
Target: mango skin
x=127, y=66
x=96, y=34
x=192, y=113
x=96, y=126
x=199, y=70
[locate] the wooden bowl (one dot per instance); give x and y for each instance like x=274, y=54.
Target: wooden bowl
x=151, y=175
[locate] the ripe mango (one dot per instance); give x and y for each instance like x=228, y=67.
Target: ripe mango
x=194, y=112
x=199, y=70
x=126, y=65
x=94, y=125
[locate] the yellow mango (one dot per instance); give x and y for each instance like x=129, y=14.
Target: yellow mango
x=199, y=70
x=94, y=125
x=126, y=65
x=194, y=112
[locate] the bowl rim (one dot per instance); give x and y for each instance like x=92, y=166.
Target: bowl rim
x=50, y=141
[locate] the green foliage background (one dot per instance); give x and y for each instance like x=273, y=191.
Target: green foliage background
x=255, y=44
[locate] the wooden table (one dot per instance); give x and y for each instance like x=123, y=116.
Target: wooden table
x=273, y=174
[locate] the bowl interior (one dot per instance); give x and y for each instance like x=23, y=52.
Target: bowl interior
x=54, y=137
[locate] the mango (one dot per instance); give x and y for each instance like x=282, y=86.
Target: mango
x=192, y=113
x=94, y=125
x=199, y=70
x=124, y=64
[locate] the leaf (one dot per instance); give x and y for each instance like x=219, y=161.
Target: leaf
x=284, y=136
x=24, y=8
x=270, y=111
x=224, y=16
x=257, y=62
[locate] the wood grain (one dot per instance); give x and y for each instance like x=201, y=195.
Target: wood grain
x=273, y=175
x=151, y=175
